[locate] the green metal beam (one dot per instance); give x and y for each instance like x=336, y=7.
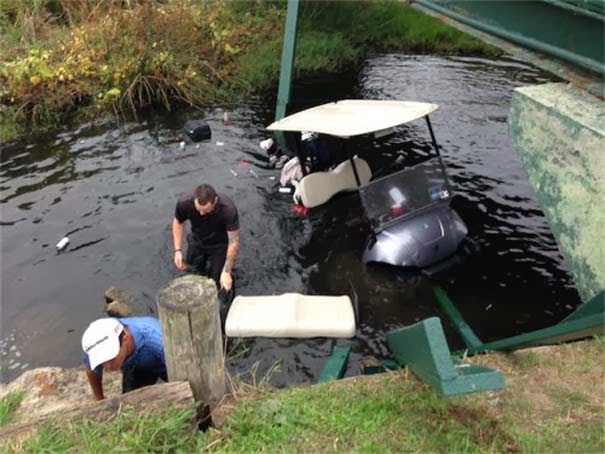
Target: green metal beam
x=593, y=307
x=587, y=320
x=466, y=332
x=287, y=65
x=562, y=332
x=423, y=348
x=551, y=27
x=337, y=363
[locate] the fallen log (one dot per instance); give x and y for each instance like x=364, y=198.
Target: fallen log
x=175, y=395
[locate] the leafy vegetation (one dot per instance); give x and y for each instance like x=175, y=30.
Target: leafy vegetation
x=93, y=57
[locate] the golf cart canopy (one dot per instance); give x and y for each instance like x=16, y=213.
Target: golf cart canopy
x=354, y=117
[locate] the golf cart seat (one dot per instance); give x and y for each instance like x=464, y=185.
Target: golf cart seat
x=317, y=188
x=291, y=315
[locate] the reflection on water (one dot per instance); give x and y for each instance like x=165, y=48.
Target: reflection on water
x=112, y=190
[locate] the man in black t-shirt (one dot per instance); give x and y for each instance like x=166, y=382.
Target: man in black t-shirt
x=214, y=234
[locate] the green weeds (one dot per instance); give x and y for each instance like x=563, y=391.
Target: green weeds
x=9, y=405
x=61, y=57
x=128, y=432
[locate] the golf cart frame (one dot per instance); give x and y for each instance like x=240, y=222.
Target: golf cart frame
x=409, y=213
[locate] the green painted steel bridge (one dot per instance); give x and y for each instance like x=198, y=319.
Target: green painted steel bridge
x=565, y=37
x=558, y=130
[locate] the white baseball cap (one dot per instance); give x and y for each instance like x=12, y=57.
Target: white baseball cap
x=101, y=340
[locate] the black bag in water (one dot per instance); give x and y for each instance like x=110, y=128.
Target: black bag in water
x=198, y=130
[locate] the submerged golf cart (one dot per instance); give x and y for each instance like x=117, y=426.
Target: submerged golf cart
x=409, y=213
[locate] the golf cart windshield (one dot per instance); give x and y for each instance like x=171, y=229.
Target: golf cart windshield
x=404, y=193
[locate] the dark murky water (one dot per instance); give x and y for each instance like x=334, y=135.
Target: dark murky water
x=113, y=191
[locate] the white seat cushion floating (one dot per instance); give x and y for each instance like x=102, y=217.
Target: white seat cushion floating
x=317, y=188
x=291, y=315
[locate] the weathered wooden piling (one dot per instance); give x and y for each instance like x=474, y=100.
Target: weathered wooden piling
x=189, y=313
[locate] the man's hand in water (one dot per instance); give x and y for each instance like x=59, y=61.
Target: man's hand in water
x=226, y=281
x=178, y=260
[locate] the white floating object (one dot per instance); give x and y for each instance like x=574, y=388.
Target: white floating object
x=62, y=244
x=291, y=315
x=272, y=177
x=182, y=144
x=253, y=173
x=220, y=144
x=266, y=144
x=197, y=146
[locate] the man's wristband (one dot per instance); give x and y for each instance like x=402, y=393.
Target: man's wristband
x=178, y=250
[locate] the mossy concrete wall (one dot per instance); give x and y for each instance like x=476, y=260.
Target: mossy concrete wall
x=559, y=134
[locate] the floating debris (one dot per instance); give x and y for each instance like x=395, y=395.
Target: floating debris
x=220, y=144
x=233, y=172
x=182, y=145
x=253, y=173
x=62, y=244
x=303, y=210
x=488, y=307
x=272, y=177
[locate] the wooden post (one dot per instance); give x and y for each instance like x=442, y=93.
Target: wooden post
x=189, y=313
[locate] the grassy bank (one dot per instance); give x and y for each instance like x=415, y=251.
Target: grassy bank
x=8, y=407
x=553, y=403
x=79, y=59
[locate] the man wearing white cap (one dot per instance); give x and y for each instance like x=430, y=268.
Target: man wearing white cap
x=131, y=344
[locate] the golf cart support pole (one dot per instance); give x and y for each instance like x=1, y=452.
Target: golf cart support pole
x=428, y=122
x=344, y=145
x=287, y=67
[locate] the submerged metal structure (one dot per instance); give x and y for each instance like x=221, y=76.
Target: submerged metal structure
x=558, y=131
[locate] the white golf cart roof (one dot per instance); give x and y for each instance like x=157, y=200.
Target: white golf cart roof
x=353, y=117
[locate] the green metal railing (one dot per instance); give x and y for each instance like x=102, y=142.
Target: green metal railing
x=287, y=66
x=587, y=320
x=571, y=31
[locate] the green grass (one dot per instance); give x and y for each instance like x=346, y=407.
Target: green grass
x=9, y=405
x=171, y=431
x=333, y=36
x=386, y=415
x=550, y=407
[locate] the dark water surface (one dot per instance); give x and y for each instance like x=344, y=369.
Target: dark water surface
x=113, y=190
